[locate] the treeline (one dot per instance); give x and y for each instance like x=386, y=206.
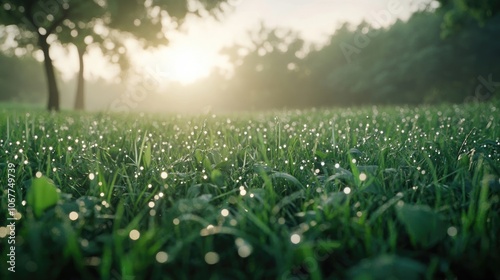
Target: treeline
x=407, y=63
x=21, y=79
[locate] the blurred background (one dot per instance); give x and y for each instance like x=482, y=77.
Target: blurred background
x=224, y=56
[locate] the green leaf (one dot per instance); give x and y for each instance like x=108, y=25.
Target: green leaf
x=217, y=178
x=368, y=169
x=387, y=267
x=424, y=226
x=193, y=191
x=334, y=199
x=147, y=155
x=321, y=155
x=287, y=177
x=41, y=195
x=355, y=152
x=341, y=174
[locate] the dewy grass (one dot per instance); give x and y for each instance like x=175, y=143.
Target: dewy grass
x=367, y=193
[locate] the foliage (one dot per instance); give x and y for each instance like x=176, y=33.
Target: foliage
x=398, y=191
x=41, y=195
x=458, y=12
x=20, y=79
x=406, y=63
x=43, y=23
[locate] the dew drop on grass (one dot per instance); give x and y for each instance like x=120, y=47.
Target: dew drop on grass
x=38, y=174
x=73, y=216
x=164, y=175
x=347, y=190
x=134, y=234
x=452, y=231
x=362, y=177
x=295, y=238
x=211, y=258
x=176, y=221
x=161, y=257
x=91, y=176
x=84, y=243
x=3, y=232
x=244, y=251
x=224, y=212
x=243, y=192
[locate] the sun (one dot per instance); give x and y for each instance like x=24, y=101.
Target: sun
x=185, y=64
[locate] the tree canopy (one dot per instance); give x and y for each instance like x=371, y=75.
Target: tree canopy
x=44, y=23
x=406, y=63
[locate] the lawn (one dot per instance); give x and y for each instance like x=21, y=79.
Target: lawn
x=361, y=193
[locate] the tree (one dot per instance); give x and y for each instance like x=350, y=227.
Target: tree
x=43, y=23
x=136, y=19
x=268, y=72
x=457, y=13
x=20, y=79
x=85, y=35
x=38, y=22
x=405, y=63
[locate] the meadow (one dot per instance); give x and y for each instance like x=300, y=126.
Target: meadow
x=361, y=193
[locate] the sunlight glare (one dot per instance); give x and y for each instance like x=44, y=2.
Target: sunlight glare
x=185, y=64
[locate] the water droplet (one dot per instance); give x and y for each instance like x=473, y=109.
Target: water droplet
x=452, y=231
x=295, y=238
x=161, y=257
x=73, y=216
x=211, y=258
x=362, y=177
x=134, y=234
x=244, y=251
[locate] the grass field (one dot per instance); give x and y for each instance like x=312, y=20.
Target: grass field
x=366, y=193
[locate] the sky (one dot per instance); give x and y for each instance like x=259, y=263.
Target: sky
x=194, y=51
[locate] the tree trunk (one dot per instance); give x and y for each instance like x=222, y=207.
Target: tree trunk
x=53, y=104
x=80, y=94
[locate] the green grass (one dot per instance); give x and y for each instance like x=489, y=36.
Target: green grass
x=367, y=193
